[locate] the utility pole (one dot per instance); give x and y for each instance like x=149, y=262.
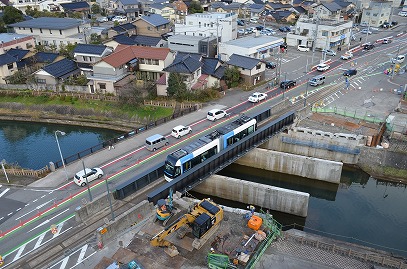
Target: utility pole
x=217, y=37
x=315, y=36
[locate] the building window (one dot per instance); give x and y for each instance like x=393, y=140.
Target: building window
x=10, y=66
x=50, y=32
x=40, y=30
x=41, y=81
x=199, y=24
x=102, y=86
x=60, y=32
x=31, y=30
x=324, y=33
x=258, y=66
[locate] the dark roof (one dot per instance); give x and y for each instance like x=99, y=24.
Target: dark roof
x=258, y=2
x=124, y=27
x=142, y=40
x=18, y=54
x=216, y=5
x=155, y=19
x=90, y=49
x=211, y=66
x=157, y=5
x=333, y=7
x=256, y=6
x=6, y=59
x=281, y=14
x=124, y=39
x=277, y=6
x=49, y=23
x=300, y=9
x=75, y=6
x=243, y=61
x=180, y=55
x=45, y=57
x=61, y=68
x=185, y=65
x=343, y=4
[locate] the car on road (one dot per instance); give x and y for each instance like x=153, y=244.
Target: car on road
x=119, y=19
x=87, y=174
x=386, y=41
x=270, y=65
x=216, y=114
x=350, y=72
x=366, y=31
x=102, y=19
x=181, y=130
x=368, y=47
x=403, y=13
x=257, y=97
x=286, y=84
x=323, y=67
x=398, y=60
x=329, y=52
x=302, y=48
x=348, y=55
x=385, y=25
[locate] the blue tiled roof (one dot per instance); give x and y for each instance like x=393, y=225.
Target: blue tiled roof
x=155, y=19
x=61, y=68
x=18, y=54
x=6, y=59
x=157, y=6
x=74, y=5
x=185, y=65
x=45, y=57
x=89, y=49
x=124, y=27
x=181, y=55
x=49, y=23
x=144, y=40
x=124, y=39
x=333, y=7
x=256, y=6
x=209, y=66
x=129, y=2
x=243, y=61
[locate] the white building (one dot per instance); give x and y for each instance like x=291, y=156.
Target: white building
x=326, y=33
x=258, y=47
x=207, y=24
x=377, y=13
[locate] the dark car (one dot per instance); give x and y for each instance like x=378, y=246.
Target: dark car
x=240, y=22
x=259, y=27
x=270, y=65
x=284, y=29
x=393, y=23
x=350, y=72
x=368, y=47
x=286, y=84
x=283, y=46
x=110, y=17
x=386, y=41
x=385, y=25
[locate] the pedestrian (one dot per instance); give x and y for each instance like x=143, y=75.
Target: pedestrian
x=360, y=39
x=110, y=143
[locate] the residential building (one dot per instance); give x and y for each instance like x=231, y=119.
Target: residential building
x=252, y=71
x=141, y=63
x=137, y=40
x=223, y=25
x=86, y=55
x=281, y=16
x=327, y=10
x=377, y=13
x=20, y=55
x=193, y=44
x=8, y=66
x=126, y=28
x=76, y=7
x=181, y=9
x=15, y=41
x=326, y=33
x=40, y=59
x=56, y=73
x=166, y=10
x=258, y=47
x=256, y=10
x=152, y=25
x=49, y=31
x=132, y=9
x=222, y=7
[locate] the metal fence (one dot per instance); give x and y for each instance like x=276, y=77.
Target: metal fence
x=351, y=113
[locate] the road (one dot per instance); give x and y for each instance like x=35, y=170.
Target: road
x=27, y=213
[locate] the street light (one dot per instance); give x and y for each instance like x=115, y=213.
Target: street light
x=60, y=153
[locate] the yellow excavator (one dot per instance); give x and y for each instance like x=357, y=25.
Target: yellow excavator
x=204, y=216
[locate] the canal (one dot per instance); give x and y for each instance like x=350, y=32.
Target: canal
x=360, y=209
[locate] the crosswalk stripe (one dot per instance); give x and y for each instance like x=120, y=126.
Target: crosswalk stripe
x=20, y=251
x=4, y=192
x=39, y=241
x=82, y=254
x=64, y=262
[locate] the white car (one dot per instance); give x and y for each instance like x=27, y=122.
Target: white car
x=403, y=13
x=240, y=31
x=119, y=18
x=329, y=52
x=89, y=174
x=398, y=60
x=302, y=48
x=181, y=130
x=347, y=56
x=216, y=114
x=366, y=31
x=102, y=19
x=257, y=97
x=323, y=67
x=253, y=20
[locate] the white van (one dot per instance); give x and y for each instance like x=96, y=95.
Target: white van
x=317, y=80
x=155, y=142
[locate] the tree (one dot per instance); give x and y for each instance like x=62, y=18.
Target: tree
x=67, y=50
x=176, y=86
x=95, y=39
x=12, y=15
x=195, y=7
x=232, y=76
x=95, y=9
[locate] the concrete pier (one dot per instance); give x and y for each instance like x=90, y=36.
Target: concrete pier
x=274, y=198
x=308, y=167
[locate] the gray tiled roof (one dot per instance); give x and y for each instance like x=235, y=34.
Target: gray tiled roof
x=243, y=61
x=210, y=67
x=144, y=40
x=124, y=39
x=333, y=7
x=74, y=5
x=155, y=19
x=186, y=65
x=61, y=68
x=90, y=49
x=49, y=23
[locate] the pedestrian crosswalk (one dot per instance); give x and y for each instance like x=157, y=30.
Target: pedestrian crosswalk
x=4, y=192
x=75, y=258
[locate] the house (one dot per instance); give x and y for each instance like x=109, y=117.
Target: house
x=86, y=55
x=252, y=71
x=256, y=10
x=56, y=73
x=82, y=7
x=137, y=40
x=132, y=9
x=8, y=66
x=283, y=16
x=330, y=33
x=181, y=9
x=10, y=41
x=193, y=44
x=221, y=7
x=152, y=25
x=49, y=31
x=328, y=10
x=142, y=63
x=126, y=28
x=166, y=10
x=215, y=72
x=40, y=59
x=208, y=24
x=20, y=55
x=258, y=47
x=378, y=13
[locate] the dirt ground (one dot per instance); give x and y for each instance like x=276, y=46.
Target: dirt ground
x=16, y=180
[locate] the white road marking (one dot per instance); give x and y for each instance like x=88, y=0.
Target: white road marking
x=43, y=196
x=35, y=200
x=356, y=83
x=1, y=218
x=4, y=192
x=9, y=214
x=48, y=220
x=82, y=254
x=39, y=241
x=59, y=228
x=18, y=209
x=64, y=262
x=20, y=251
x=38, y=207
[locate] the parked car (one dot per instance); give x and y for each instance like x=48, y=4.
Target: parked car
x=259, y=27
x=368, y=47
x=216, y=114
x=181, y=130
x=350, y=72
x=329, y=52
x=302, y=48
x=385, y=25
x=366, y=31
x=257, y=97
x=102, y=19
x=270, y=31
x=386, y=41
x=110, y=17
x=323, y=67
x=253, y=20
x=119, y=19
x=348, y=55
x=286, y=84
x=284, y=29
x=393, y=23
x=271, y=65
x=240, y=31
x=87, y=174
x=240, y=22
x=398, y=60
x=403, y=13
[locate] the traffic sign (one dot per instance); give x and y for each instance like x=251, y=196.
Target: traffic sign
x=1, y=261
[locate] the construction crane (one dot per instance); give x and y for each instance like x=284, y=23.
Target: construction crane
x=204, y=216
